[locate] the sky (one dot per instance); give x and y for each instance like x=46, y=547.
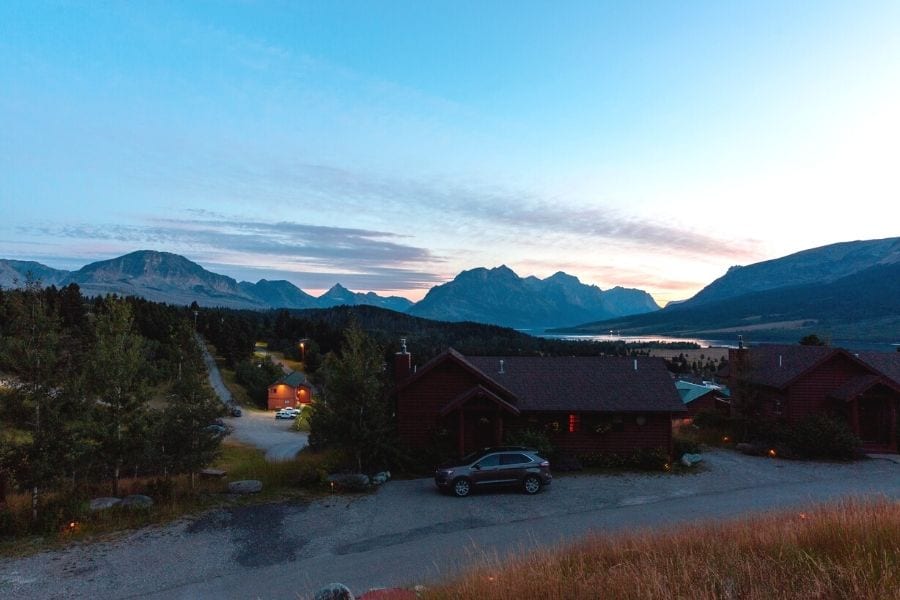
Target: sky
x=390, y=145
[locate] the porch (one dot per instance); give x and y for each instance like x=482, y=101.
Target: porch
x=476, y=419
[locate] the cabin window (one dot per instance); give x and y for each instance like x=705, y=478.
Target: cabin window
x=574, y=423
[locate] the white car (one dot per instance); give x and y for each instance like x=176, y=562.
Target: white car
x=288, y=413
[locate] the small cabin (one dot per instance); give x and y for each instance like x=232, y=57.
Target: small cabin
x=292, y=390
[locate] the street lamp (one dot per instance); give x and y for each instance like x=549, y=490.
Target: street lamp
x=195, y=319
x=302, y=352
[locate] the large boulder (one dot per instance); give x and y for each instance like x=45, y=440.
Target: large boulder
x=98, y=504
x=689, y=460
x=334, y=591
x=245, y=486
x=382, y=477
x=137, y=501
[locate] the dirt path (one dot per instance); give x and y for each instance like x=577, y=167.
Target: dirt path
x=408, y=533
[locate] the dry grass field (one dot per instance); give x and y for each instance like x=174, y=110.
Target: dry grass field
x=851, y=551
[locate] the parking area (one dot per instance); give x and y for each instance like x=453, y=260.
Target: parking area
x=407, y=532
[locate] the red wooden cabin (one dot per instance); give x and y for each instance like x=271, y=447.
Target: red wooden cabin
x=292, y=390
x=792, y=382
x=585, y=404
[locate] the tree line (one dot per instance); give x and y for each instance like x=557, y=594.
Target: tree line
x=97, y=390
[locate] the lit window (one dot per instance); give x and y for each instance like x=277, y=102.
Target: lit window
x=574, y=423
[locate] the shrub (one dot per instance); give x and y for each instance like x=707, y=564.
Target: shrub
x=532, y=439
x=647, y=459
x=820, y=436
x=684, y=445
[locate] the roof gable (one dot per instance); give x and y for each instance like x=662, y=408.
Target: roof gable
x=780, y=365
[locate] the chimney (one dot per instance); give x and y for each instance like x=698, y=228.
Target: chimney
x=780, y=361
x=635, y=364
x=740, y=342
x=501, y=367
x=402, y=363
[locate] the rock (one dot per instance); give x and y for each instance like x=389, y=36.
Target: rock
x=689, y=460
x=137, y=501
x=104, y=503
x=212, y=473
x=745, y=448
x=379, y=478
x=354, y=482
x=334, y=591
x=246, y=486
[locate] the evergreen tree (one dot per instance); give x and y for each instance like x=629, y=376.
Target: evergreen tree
x=33, y=352
x=353, y=412
x=116, y=380
x=185, y=433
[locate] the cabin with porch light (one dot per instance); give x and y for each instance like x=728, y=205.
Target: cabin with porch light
x=290, y=391
x=585, y=405
x=791, y=382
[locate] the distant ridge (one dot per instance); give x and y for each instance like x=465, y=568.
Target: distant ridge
x=173, y=279
x=849, y=290
x=491, y=296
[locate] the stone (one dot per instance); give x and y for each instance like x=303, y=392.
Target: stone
x=334, y=591
x=212, y=473
x=689, y=460
x=246, y=486
x=354, y=482
x=745, y=448
x=104, y=503
x=137, y=501
x=380, y=478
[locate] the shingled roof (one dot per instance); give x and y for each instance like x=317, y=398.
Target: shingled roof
x=886, y=363
x=584, y=384
x=778, y=365
x=293, y=379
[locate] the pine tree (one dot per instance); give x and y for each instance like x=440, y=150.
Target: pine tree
x=116, y=381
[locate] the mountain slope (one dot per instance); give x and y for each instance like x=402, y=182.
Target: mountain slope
x=501, y=297
x=817, y=265
x=862, y=306
x=161, y=277
x=279, y=294
x=14, y=273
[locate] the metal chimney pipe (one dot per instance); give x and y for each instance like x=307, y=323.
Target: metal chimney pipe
x=501, y=366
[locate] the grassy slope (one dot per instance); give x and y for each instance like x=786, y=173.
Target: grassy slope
x=845, y=551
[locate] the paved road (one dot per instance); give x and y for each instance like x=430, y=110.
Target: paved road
x=257, y=428
x=406, y=533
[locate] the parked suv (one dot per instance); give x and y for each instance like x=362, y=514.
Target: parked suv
x=504, y=466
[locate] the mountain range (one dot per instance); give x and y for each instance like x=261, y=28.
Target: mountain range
x=849, y=290
x=171, y=278
x=501, y=297
x=844, y=291
x=496, y=296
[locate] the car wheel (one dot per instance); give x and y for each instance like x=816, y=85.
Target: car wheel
x=531, y=485
x=462, y=487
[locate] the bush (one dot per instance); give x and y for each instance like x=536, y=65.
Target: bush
x=826, y=437
x=641, y=460
x=684, y=445
x=532, y=439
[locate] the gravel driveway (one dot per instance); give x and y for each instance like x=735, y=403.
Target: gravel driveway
x=408, y=533
x=257, y=428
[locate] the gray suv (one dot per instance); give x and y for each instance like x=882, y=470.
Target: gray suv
x=505, y=466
